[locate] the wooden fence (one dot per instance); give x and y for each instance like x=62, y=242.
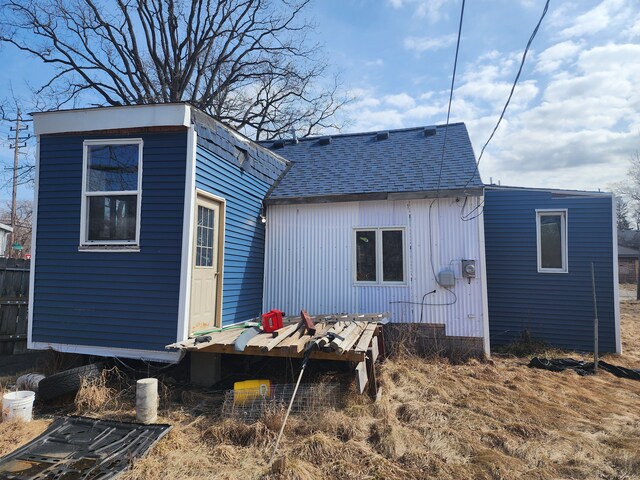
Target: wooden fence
x=14, y=304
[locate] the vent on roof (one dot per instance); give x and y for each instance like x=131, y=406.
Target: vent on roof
x=430, y=131
x=278, y=143
x=324, y=140
x=382, y=136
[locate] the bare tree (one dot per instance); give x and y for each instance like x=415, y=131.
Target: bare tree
x=622, y=213
x=628, y=191
x=248, y=63
x=24, y=212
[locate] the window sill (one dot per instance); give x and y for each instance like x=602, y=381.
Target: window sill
x=380, y=284
x=109, y=248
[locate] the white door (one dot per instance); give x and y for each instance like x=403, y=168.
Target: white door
x=207, y=265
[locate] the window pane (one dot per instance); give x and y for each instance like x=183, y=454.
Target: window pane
x=112, y=217
x=392, y=252
x=365, y=256
x=551, y=241
x=112, y=168
x=204, y=237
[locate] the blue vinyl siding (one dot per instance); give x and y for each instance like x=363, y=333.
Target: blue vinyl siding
x=244, y=232
x=109, y=299
x=554, y=307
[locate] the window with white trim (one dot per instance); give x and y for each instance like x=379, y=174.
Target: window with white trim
x=379, y=255
x=111, y=192
x=552, y=241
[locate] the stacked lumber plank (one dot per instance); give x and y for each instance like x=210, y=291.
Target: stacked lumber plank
x=335, y=337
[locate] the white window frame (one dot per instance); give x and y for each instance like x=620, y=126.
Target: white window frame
x=115, y=245
x=379, y=265
x=564, y=236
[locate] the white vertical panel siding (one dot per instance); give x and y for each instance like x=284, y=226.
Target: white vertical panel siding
x=309, y=261
x=453, y=240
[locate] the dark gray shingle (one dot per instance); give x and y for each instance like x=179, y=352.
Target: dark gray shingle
x=407, y=161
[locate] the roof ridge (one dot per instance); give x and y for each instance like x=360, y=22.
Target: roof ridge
x=359, y=134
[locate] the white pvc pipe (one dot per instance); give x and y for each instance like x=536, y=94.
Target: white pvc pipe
x=147, y=400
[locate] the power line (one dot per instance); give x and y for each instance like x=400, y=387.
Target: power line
x=453, y=79
x=513, y=87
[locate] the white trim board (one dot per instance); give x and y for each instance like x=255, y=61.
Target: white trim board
x=34, y=229
x=564, y=238
x=616, y=280
x=84, y=212
x=379, y=257
x=149, y=355
x=112, y=118
x=484, y=286
x=187, y=235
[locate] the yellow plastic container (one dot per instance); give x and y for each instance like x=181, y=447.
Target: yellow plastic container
x=250, y=390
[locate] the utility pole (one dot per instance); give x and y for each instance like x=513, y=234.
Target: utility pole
x=16, y=155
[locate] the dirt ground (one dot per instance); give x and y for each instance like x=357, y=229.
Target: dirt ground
x=480, y=420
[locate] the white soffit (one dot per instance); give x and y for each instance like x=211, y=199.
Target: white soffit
x=112, y=118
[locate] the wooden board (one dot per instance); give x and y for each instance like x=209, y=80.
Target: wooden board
x=337, y=342
x=361, y=377
x=352, y=338
x=349, y=356
x=365, y=339
x=373, y=352
x=336, y=329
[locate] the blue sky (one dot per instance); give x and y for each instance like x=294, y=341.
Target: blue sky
x=574, y=121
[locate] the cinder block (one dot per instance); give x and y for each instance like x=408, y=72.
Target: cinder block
x=205, y=368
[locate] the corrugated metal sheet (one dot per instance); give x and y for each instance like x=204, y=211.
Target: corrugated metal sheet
x=125, y=300
x=557, y=308
x=309, y=261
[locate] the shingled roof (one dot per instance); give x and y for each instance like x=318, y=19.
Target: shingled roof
x=376, y=165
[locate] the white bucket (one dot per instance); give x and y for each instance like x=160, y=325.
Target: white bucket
x=17, y=406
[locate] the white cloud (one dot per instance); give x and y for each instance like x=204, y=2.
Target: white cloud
x=602, y=17
x=432, y=9
x=400, y=100
x=573, y=128
x=422, y=44
x=633, y=31
x=557, y=56
x=378, y=62
x=573, y=121
x=587, y=122
x=496, y=93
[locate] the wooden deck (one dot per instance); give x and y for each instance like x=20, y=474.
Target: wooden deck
x=337, y=337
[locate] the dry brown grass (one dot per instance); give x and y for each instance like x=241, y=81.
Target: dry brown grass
x=16, y=434
x=95, y=396
x=496, y=420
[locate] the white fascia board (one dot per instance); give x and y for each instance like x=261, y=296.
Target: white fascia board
x=34, y=230
x=148, y=355
x=112, y=118
x=187, y=236
x=486, y=332
x=616, y=280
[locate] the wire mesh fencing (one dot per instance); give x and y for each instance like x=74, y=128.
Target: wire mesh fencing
x=250, y=405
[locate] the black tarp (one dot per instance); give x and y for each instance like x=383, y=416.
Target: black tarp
x=583, y=368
